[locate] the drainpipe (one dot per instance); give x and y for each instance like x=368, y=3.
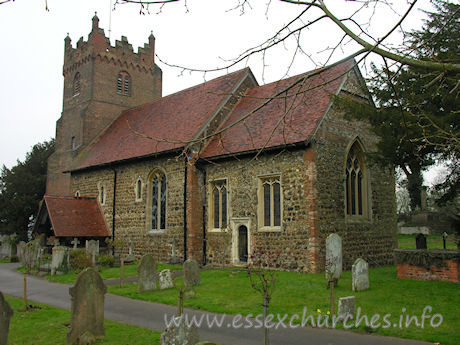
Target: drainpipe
x=114, y=206
x=185, y=206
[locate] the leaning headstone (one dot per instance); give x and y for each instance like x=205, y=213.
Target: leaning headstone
x=182, y=334
x=166, y=280
x=32, y=253
x=87, y=307
x=59, y=260
x=333, y=256
x=148, y=277
x=420, y=241
x=346, y=307
x=360, y=275
x=191, y=273
x=5, y=315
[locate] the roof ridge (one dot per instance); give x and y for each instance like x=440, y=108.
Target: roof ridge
x=180, y=91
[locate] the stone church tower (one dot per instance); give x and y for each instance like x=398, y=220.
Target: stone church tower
x=100, y=81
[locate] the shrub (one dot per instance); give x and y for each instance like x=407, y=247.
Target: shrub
x=105, y=260
x=80, y=259
x=14, y=258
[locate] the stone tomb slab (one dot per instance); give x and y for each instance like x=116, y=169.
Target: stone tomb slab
x=147, y=274
x=87, y=307
x=360, y=275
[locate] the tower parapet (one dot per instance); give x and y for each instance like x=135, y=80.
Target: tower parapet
x=98, y=47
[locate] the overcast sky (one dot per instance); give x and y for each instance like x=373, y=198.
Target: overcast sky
x=199, y=36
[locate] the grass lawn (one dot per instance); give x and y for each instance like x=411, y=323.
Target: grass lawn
x=48, y=326
x=229, y=291
x=109, y=273
x=432, y=242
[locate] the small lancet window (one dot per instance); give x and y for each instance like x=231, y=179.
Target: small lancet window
x=139, y=190
x=76, y=88
x=123, y=84
x=101, y=194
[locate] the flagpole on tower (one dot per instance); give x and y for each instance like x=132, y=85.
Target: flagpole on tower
x=110, y=19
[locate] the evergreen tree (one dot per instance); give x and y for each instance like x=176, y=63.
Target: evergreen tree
x=417, y=110
x=21, y=189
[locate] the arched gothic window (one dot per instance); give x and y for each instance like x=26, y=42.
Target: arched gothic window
x=157, y=200
x=123, y=83
x=76, y=87
x=355, y=182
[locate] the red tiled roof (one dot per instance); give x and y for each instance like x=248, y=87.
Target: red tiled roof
x=289, y=118
x=165, y=124
x=75, y=217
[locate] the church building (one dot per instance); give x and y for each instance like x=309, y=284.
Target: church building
x=218, y=172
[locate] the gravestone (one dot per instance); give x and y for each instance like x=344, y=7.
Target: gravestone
x=75, y=242
x=333, y=257
x=87, y=307
x=32, y=252
x=148, y=277
x=166, y=280
x=420, y=241
x=130, y=258
x=174, y=260
x=191, y=273
x=5, y=249
x=20, y=250
x=360, y=275
x=92, y=248
x=346, y=307
x=5, y=315
x=59, y=260
x=181, y=334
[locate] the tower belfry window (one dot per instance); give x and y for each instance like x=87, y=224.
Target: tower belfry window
x=124, y=84
x=76, y=87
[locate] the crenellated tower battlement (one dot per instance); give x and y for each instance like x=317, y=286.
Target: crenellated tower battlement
x=98, y=47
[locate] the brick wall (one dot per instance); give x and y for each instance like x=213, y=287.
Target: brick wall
x=449, y=272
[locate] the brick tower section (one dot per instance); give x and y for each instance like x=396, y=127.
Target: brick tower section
x=194, y=205
x=96, y=91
